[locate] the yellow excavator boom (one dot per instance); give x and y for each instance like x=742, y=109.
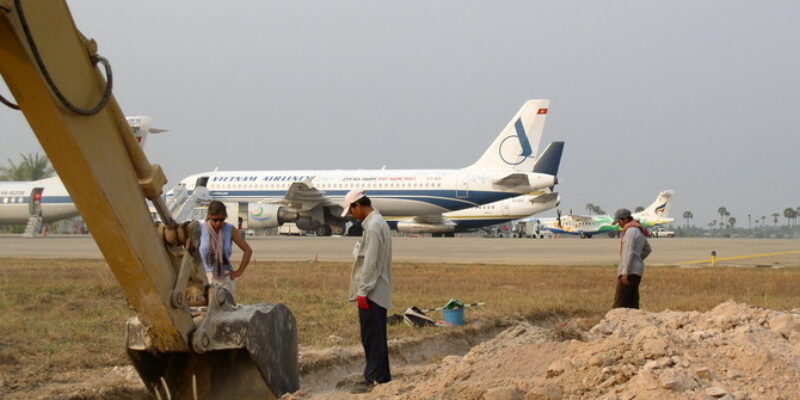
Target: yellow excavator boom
x=94, y=156
x=185, y=344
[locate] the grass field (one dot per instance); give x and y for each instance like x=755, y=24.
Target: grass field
x=60, y=315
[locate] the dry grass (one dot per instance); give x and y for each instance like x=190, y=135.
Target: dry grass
x=60, y=315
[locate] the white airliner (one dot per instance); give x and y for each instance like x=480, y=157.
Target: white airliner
x=19, y=200
x=311, y=199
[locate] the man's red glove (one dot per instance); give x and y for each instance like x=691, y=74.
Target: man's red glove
x=362, y=302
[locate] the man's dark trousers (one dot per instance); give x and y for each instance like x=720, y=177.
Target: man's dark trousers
x=627, y=296
x=374, y=340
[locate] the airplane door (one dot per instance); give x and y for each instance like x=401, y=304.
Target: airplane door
x=35, y=205
x=201, y=182
x=462, y=188
x=242, y=222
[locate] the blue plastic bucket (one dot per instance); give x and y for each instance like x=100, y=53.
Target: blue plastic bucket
x=455, y=317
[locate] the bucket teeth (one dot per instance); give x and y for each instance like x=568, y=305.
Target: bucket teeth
x=247, y=351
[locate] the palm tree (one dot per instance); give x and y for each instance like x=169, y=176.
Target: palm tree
x=789, y=213
x=638, y=209
x=732, y=222
x=714, y=224
x=32, y=168
x=598, y=210
x=763, y=220
x=687, y=215
x=775, y=218
x=722, y=211
x=594, y=209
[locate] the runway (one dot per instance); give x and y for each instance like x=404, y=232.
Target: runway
x=597, y=251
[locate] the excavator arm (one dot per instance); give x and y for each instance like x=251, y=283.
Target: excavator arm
x=97, y=158
x=52, y=72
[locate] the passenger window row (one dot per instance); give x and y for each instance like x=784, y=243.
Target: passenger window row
x=424, y=185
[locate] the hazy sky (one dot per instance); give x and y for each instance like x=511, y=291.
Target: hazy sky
x=696, y=96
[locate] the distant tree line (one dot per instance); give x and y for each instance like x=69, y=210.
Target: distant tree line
x=760, y=226
x=32, y=168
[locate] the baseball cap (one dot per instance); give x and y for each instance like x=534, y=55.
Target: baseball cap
x=350, y=198
x=620, y=214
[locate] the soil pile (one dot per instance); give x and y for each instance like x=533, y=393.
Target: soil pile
x=734, y=351
x=731, y=352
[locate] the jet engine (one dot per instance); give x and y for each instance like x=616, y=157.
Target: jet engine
x=263, y=216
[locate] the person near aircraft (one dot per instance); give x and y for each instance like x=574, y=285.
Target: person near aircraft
x=216, y=248
x=634, y=249
x=371, y=286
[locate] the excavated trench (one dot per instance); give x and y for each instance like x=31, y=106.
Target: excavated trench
x=326, y=369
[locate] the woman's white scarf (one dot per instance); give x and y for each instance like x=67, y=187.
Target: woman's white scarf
x=216, y=242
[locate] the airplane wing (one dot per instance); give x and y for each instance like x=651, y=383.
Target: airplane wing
x=304, y=196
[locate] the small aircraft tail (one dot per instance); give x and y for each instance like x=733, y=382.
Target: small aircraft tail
x=660, y=208
x=517, y=145
x=140, y=126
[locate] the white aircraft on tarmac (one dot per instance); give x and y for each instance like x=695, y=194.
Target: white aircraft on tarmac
x=311, y=199
x=585, y=226
x=48, y=198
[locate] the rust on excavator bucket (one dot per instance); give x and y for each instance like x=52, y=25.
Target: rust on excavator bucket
x=244, y=352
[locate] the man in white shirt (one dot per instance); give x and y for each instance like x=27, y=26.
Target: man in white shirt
x=371, y=286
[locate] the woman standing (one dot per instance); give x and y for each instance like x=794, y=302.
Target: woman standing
x=215, y=248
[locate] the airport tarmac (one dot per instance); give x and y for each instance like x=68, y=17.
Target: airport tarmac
x=597, y=251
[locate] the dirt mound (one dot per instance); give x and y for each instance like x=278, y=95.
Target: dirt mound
x=734, y=351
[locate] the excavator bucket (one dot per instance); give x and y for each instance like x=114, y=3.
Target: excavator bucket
x=239, y=352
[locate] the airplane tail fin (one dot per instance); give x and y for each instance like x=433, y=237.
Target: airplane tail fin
x=550, y=160
x=140, y=126
x=660, y=208
x=518, y=143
